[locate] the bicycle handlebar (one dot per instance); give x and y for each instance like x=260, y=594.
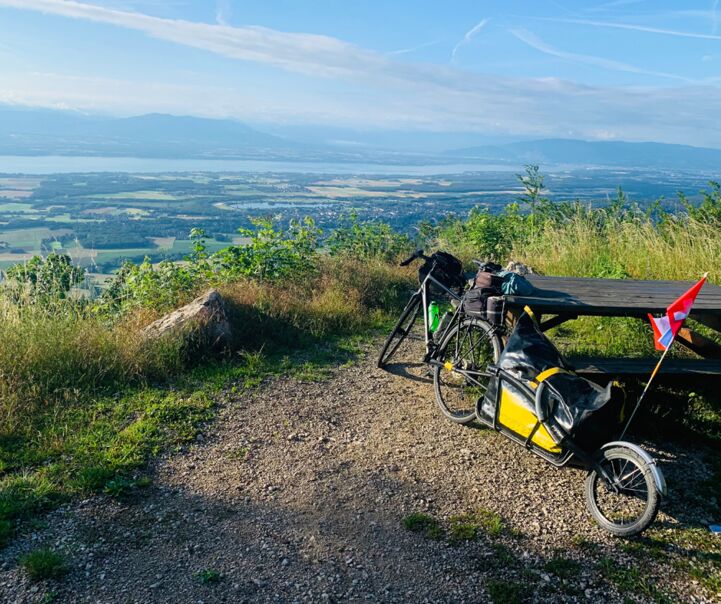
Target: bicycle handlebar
x=416, y=254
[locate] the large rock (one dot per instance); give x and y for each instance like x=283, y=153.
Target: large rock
x=204, y=318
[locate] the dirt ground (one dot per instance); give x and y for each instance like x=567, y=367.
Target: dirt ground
x=300, y=492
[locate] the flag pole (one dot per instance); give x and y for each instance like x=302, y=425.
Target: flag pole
x=646, y=389
x=654, y=372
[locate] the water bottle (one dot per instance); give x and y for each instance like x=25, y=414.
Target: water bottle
x=434, y=316
x=443, y=325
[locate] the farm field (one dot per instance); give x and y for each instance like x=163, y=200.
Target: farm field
x=103, y=219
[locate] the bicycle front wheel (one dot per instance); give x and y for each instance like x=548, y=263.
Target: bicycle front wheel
x=401, y=330
x=461, y=375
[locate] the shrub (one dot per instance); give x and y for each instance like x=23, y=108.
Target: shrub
x=271, y=254
x=45, y=279
x=367, y=240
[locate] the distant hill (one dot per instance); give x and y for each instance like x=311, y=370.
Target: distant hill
x=595, y=153
x=45, y=132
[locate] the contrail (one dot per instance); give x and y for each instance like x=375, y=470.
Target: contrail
x=223, y=11
x=535, y=42
x=403, y=51
x=652, y=30
x=469, y=35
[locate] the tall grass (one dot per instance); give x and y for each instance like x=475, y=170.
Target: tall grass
x=58, y=354
x=681, y=248
x=345, y=296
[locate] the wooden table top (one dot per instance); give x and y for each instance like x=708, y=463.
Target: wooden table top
x=612, y=297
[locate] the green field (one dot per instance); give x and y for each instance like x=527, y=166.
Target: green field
x=14, y=207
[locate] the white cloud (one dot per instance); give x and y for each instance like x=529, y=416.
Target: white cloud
x=305, y=53
x=467, y=37
x=377, y=91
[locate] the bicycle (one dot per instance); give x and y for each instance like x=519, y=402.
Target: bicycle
x=462, y=340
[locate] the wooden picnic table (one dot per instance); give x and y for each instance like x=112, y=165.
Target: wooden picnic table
x=566, y=298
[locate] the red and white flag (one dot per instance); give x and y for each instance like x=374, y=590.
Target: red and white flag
x=666, y=327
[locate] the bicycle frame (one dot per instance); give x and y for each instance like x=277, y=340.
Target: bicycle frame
x=422, y=296
x=424, y=291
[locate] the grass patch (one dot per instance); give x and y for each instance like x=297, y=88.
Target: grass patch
x=505, y=592
x=209, y=577
x=707, y=575
x=491, y=521
x=645, y=547
x=694, y=551
x=79, y=450
x=419, y=522
x=500, y=558
x=462, y=528
x=465, y=527
x=563, y=568
x=85, y=399
x=44, y=564
x=631, y=581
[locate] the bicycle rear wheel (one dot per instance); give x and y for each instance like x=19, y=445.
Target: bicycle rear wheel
x=627, y=504
x=460, y=376
x=401, y=330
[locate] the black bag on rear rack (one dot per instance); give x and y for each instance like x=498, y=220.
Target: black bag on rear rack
x=448, y=271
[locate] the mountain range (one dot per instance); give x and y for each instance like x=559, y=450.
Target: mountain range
x=29, y=131
x=595, y=153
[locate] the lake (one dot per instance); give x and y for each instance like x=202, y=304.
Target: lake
x=60, y=164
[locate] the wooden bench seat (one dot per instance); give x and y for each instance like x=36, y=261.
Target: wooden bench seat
x=643, y=367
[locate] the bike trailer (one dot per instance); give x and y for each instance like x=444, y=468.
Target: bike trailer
x=535, y=396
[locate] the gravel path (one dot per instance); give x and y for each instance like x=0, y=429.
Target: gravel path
x=298, y=492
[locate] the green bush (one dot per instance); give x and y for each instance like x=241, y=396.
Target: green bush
x=367, y=240
x=271, y=254
x=44, y=279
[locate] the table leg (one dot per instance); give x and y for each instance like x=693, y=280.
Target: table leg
x=699, y=344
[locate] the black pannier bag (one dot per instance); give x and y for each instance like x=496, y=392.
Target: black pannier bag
x=574, y=407
x=474, y=302
x=485, y=285
x=449, y=270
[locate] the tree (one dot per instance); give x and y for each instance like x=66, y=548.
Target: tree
x=532, y=182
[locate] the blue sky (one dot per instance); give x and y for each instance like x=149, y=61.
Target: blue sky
x=621, y=69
